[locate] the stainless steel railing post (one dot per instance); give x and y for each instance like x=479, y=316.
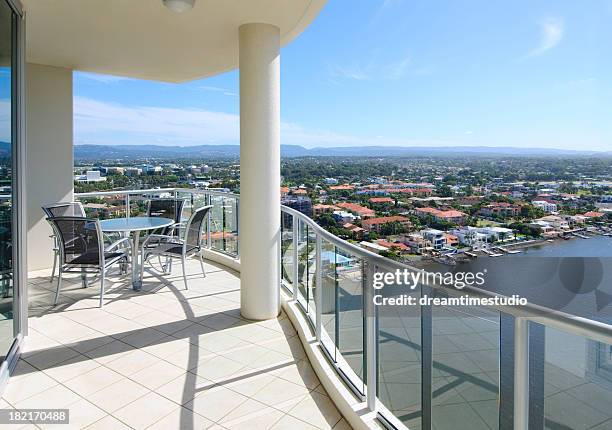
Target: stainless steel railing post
x=370, y=340
x=521, y=373
x=238, y=227
x=296, y=259
x=318, y=289
x=207, y=202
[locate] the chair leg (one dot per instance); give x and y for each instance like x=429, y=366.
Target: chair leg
x=202, y=264
x=102, y=276
x=55, y=257
x=184, y=271
x=59, y=285
x=84, y=278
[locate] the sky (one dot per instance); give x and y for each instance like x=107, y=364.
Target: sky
x=396, y=73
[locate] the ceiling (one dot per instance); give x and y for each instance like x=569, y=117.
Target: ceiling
x=143, y=39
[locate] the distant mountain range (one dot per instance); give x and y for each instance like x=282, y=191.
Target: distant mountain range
x=97, y=152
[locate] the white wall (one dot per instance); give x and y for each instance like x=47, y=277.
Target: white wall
x=49, y=156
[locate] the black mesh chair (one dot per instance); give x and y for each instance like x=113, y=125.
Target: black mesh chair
x=61, y=209
x=81, y=249
x=176, y=247
x=167, y=208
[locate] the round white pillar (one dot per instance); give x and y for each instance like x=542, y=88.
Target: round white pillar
x=259, y=171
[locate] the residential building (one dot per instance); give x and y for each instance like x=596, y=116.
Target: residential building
x=417, y=243
x=299, y=203
x=435, y=237
x=375, y=224
x=373, y=247
x=545, y=205
x=319, y=209
x=344, y=217
x=594, y=215
x=450, y=216
x=361, y=211
x=382, y=200
x=345, y=187
x=396, y=246
x=355, y=230
x=556, y=222
x=500, y=209
x=470, y=236
x=298, y=192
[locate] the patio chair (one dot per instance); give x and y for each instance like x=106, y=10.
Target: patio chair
x=166, y=208
x=175, y=247
x=61, y=209
x=81, y=248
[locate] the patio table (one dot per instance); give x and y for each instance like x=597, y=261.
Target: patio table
x=133, y=226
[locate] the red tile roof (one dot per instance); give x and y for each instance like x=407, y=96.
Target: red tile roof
x=385, y=220
x=387, y=244
x=358, y=209
x=344, y=187
x=593, y=214
x=382, y=200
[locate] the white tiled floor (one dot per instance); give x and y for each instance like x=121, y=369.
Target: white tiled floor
x=165, y=358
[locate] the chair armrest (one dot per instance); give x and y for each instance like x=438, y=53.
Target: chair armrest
x=118, y=242
x=162, y=238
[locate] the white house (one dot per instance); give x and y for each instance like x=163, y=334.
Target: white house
x=545, y=206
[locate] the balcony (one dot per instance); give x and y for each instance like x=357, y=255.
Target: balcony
x=166, y=357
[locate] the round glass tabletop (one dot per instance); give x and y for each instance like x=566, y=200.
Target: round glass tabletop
x=134, y=223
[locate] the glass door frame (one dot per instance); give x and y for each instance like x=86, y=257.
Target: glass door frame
x=19, y=228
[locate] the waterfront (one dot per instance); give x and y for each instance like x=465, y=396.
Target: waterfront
x=574, y=276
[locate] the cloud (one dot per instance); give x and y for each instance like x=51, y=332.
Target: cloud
x=356, y=73
x=102, y=122
x=371, y=71
x=97, y=122
x=106, y=79
x=551, y=33
x=224, y=91
x=397, y=70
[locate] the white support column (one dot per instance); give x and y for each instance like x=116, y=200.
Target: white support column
x=49, y=158
x=259, y=170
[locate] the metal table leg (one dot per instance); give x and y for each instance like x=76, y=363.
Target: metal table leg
x=136, y=281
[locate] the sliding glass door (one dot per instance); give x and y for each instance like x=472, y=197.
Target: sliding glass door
x=11, y=150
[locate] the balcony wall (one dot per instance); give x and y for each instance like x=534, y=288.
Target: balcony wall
x=49, y=157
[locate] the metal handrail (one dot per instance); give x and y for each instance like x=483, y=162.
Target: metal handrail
x=557, y=319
